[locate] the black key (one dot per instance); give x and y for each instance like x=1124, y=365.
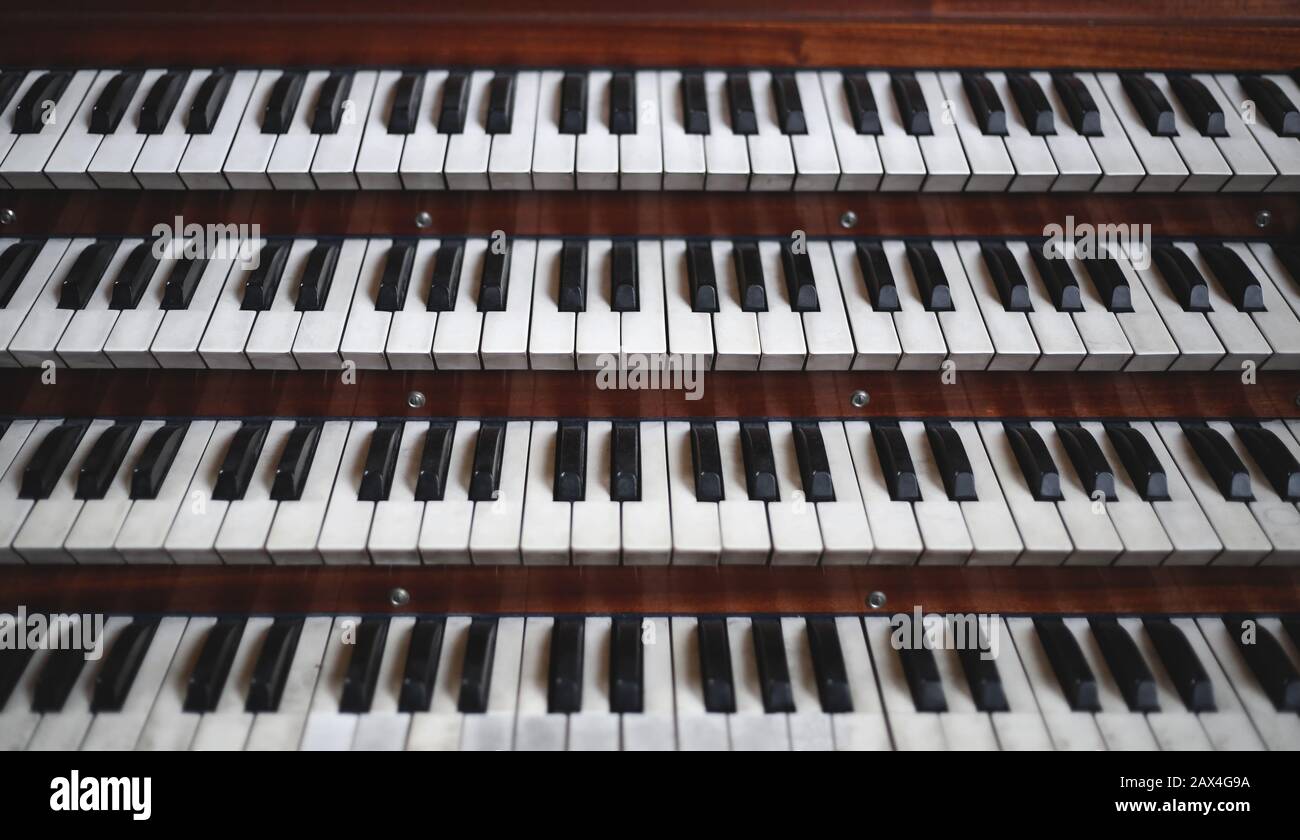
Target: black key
x=1077, y=680
x=104, y=460
x=1156, y=112
x=624, y=278
x=283, y=103
x=85, y=274
x=773, y=670
x=110, y=107
x=149, y=472
x=1035, y=462
x=241, y=458
x=328, y=115
x=363, y=668
x=381, y=462
x=13, y=661
x=494, y=284
x=1278, y=110
x=476, y=672
x=571, y=461
x=931, y=281
x=501, y=103
x=564, y=678
x=985, y=102
x=9, y=82
x=695, y=104
x=1059, y=280
x=1140, y=461
x=862, y=104
x=799, y=282
x=1287, y=254
x=760, y=463
x=62, y=667
x=130, y=284
x=740, y=101
x=706, y=461
x=1126, y=664
x=749, y=277
x=208, y=102
x=1007, y=277
x=625, y=463
x=896, y=462
x=36, y=105
x=1267, y=661
x=1201, y=106
x=15, y=262
x=1182, y=277
x=391, y=296
x=622, y=104
x=700, y=274
x=1089, y=461
x=814, y=465
x=1237, y=279
x=407, y=97
x=789, y=106
x=878, y=277
x=422, y=656
x=1273, y=458
x=1184, y=669
x=113, y=682
x=295, y=462
x=218, y=654
x=161, y=101
x=455, y=104
x=435, y=460
x=486, y=475
x=922, y=674
x=715, y=666
x=573, y=104
x=1078, y=103
x=954, y=465
x=828, y=665
x=573, y=276
x=264, y=281
x=271, y=672
x=445, y=284
x=317, y=277
x=182, y=282
x=50, y=459
x=911, y=104
x=1111, y=284
x=626, y=667
x=1220, y=459
x=1290, y=625
x=1032, y=103
x=984, y=680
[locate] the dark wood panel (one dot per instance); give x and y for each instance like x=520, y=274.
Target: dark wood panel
x=649, y=590
x=575, y=394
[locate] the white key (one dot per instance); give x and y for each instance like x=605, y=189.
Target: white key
x=26, y=159
x=826, y=330
x=1021, y=728
x=536, y=729
x=510, y=164
x=1123, y=170
x=596, y=152
x=1236, y=329
x=395, y=527
x=846, y=533
x=1072, y=153
x=169, y=726
x=857, y=154
x=1165, y=170
x=494, y=729
x=554, y=153
x=177, y=343
x=992, y=529
x=900, y=154
x=690, y=333
x=1198, y=346
x=505, y=334
x=226, y=726
x=595, y=727
x=911, y=730
x=1251, y=169
x=117, y=153
x=439, y=728
x=41, y=537
x=1154, y=348
x=144, y=531
x=70, y=160
x=411, y=330
x=496, y=530
x=1208, y=171
x=1031, y=158
x=943, y=527
x=864, y=728
x=641, y=155
x=1014, y=346
x=296, y=528
x=282, y=729
x=7, y=135
x=1287, y=286
x=201, y=168
x=1278, y=518
x=346, y=525
x=597, y=334
x=33, y=342
x=695, y=527
x=380, y=153
x=1229, y=727
x=119, y=730
x=735, y=330
x=1095, y=539
x=425, y=151
x=945, y=163
x=1121, y=728
x=645, y=332
x=551, y=332
x=27, y=293
x=1185, y=523
x=1047, y=542
x=796, y=529
x=893, y=525
x=249, y=151
x=445, y=529
x=1278, y=323
x=1058, y=340
x=1070, y=730
x=383, y=727
x=684, y=159
x=319, y=339
x=133, y=331
x=810, y=728
x=654, y=728
x=1283, y=152
x=596, y=529
x=964, y=726
x=969, y=345
x=365, y=329
x=742, y=521
x=92, y=536
x=919, y=333
x=780, y=328
x=271, y=336
x=229, y=325
x=244, y=531
x=82, y=342
x=17, y=448
x=697, y=728
x=193, y=533
x=874, y=334
x=157, y=166
x=1174, y=727
x=990, y=165
x=750, y=726
x=65, y=729
x=815, y=160
x=1278, y=730
x=326, y=728
x=289, y=167
x=334, y=165
x=545, y=533
x=649, y=532
x=1136, y=521
x=1101, y=331
x=17, y=720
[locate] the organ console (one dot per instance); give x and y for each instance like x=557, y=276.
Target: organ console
x=623, y=380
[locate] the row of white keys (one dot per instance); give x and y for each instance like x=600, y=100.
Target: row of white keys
x=1283, y=152
x=27, y=154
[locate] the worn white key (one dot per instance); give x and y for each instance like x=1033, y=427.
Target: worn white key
x=202, y=166
x=901, y=157
x=1046, y=539
x=319, y=339
x=326, y=728
x=334, y=165
x=82, y=342
x=826, y=330
x=595, y=727
x=597, y=336
x=144, y=530
x=551, y=331
x=545, y=532
x=42, y=535
x=653, y=728
x=536, y=728
x=157, y=167
x=424, y=154
x=282, y=728
x=554, y=153
x=595, y=536
x=641, y=155
x=92, y=536
x=919, y=333
x=496, y=531
x=726, y=153
x=649, y=531
x=510, y=164
x=119, y=730
x=873, y=333
x=1031, y=158
x=505, y=334
x=1241, y=338
x=742, y=521
x=411, y=330
x=947, y=169
x=816, y=164
x=1278, y=322
x=810, y=727
x=697, y=728
x=439, y=728
x=494, y=729
x=857, y=154
x=1058, y=340
x=1070, y=730
x=1022, y=727
x=796, y=529
x=750, y=726
x=1283, y=152
x=990, y=164
x=964, y=725
x=133, y=331
x=911, y=730
x=893, y=524
x=1072, y=153
x=346, y=525
x=735, y=331
x=695, y=528
x=1228, y=726
x=23, y=166
x=229, y=325
x=365, y=330
x=864, y=728
x=1136, y=520
x=780, y=328
x=1014, y=345
x=383, y=727
x=596, y=152
x=395, y=526
x=289, y=167
x=445, y=529
x=294, y=531
x=684, y=158
x=846, y=532
x=27, y=293
x=459, y=332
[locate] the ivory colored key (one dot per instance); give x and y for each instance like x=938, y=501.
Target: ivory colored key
x=70, y=159
x=439, y=726
x=919, y=332
x=179, y=336
x=986, y=154
x=893, y=524
x=271, y=335
x=317, y=343
x=596, y=150
x=1091, y=530
x=690, y=332
x=698, y=728
x=1120, y=727
x=780, y=328
x=546, y=531
x=597, y=335
x=910, y=728
x=412, y=327
x=750, y=724
x=326, y=727
x=683, y=152
x=384, y=726
x=40, y=539
x=289, y=166
x=845, y=531
x=1014, y=345
x=726, y=151
x=595, y=727
x=281, y=728
x=863, y=728
x=1045, y=536
x=809, y=724
x=641, y=155
x=735, y=330
x=696, y=535
x=156, y=167
x=649, y=531
x=596, y=532
x=536, y=727
x=1070, y=729
x=857, y=152
x=168, y=726
x=459, y=330
x=395, y=525
x=120, y=728
x=21, y=443
x=424, y=153
x=445, y=529
x=873, y=333
x=551, y=330
x=743, y=519
x=92, y=535
x=144, y=530
x=1031, y=152
x=201, y=167
x=510, y=163
x=1073, y=153
x=505, y=333
x=334, y=165
x=493, y=729
x=495, y=533
x=1226, y=722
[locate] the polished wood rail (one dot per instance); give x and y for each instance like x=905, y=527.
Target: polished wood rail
x=214, y=393
x=676, y=590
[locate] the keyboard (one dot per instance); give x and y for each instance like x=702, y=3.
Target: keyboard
x=602, y=492
x=593, y=304
x=460, y=682
x=670, y=129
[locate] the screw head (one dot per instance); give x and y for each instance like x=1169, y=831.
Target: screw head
x=859, y=399
x=1262, y=218
x=876, y=600
x=399, y=597
x=423, y=219
x=7, y=216
x=848, y=219
x=415, y=399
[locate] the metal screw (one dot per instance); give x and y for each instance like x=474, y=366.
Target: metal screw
x=876, y=600
x=399, y=597
x=423, y=219
x=859, y=399
x=1262, y=218
x=848, y=219
x=415, y=399
x=7, y=216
